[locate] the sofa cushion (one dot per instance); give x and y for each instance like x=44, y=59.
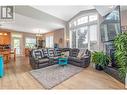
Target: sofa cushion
x=73, y=52
x=86, y=53
x=43, y=60
x=66, y=53
x=45, y=51
x=81, y=53
x=55, y=57
x=51, y=52
x=37, y=53
x=74, y=59
x=57, y=52
x=71, y=58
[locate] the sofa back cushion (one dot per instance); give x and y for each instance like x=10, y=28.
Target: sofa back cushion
x=81, y=53
x=45, y=51
x=51, y=52
x=73, y=52
x=87, y=53
x=57, y=52
x=37, y=53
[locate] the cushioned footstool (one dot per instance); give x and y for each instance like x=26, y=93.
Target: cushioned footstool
x=63, y=61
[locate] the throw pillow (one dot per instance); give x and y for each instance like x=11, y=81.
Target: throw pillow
x=86, y=53
x=51, y=52
x=45, y=52
x=66, y=53
x=37, y=53
x=81, y=52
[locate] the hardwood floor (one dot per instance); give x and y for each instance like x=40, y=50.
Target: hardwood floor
x=17, y=77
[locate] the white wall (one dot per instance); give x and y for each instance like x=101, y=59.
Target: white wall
x=124, y=18
x=57, y=35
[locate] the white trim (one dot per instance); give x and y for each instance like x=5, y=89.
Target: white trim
x=72, y=28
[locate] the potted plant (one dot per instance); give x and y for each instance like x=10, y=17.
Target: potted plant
x=120, y=43
x=100, y=59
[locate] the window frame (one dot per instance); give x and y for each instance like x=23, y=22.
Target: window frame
x=50, y=45
x=30, y=42
x=95, y=22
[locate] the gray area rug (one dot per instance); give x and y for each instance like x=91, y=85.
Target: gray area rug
x=55, y=74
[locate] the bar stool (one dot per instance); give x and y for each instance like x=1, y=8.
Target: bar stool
x=6, y=56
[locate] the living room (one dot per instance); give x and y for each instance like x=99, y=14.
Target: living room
x=43, y=43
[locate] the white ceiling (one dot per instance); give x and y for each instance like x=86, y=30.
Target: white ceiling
x=43, y=19
x=28, y=19
x=63, y=12
x=27, y=24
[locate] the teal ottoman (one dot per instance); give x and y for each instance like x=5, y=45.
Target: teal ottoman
x=63, y=61
x=1, y=67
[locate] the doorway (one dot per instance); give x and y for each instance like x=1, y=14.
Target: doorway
x=17, y=45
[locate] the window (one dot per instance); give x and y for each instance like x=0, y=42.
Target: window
x=114, y=15
x=82, y=20
x=93, y=17
x=16, y=35
x=17, y=45
x=70, y=25
x=110, y=27
x=73, y=38
x=109, y=31
x=84, y=35
x=93, y=32
x=49, y=42
x=81, y=38
x=93, y=37
x=74, y=23
x=30, y=42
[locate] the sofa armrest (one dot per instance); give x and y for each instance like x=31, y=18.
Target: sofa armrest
x=85, y=57
x=85, y=61
x=45, y=57
x=35, y=59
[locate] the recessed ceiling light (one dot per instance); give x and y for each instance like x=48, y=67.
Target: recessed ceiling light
x=5, y=34
x=1, y=33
